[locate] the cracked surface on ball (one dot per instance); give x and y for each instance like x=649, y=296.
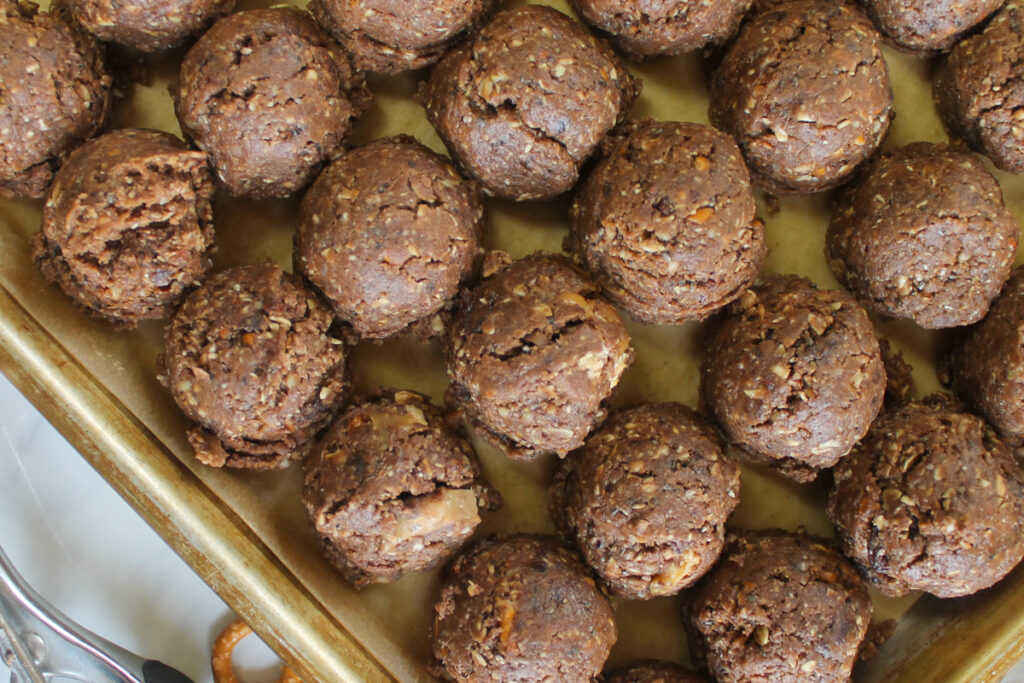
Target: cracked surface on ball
x=147, y=25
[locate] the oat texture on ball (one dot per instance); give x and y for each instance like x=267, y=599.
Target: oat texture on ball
x=128, y=225
x=147, y=25
x=928, y=26
x=651, y=671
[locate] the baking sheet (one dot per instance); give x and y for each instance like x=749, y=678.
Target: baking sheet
x=393, y=621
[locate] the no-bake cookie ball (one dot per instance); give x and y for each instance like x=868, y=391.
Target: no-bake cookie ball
x=533, y=352
x=928, y=26
x=250, y=360
x=778, y=607
x=127, y=226
x=651, y=671
x=666, y=222
x=980, y=90
x=388, y=232
x=527, y=101
x=269, y=97
x=391, y=489
x=793, y=375
x=396, y=35
x=930, y=500
x=657, y=28
x=924, y=235
x=521, y=608
x=147, y=25
x=646, y=498
x=987, y=363
x=805, y=91
x=55, y=95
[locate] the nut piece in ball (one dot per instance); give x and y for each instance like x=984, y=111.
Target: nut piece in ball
x=147, y=25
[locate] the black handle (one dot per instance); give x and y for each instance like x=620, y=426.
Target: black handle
x=158, y=672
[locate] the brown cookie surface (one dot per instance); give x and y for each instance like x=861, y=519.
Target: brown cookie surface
x=147, y=25
x=928, y=26
x=651, y=671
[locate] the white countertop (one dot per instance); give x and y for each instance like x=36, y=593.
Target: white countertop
x=84, y=549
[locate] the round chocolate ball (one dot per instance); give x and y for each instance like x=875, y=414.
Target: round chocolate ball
x=387, y=233
x=128, y=225
x=250, y=360
x=928, y=26
x=666, y=222
x=924, y=235
x=147, y=25
x=651, y=671
x=523, y=104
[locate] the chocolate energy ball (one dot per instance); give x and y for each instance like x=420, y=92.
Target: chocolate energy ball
x=646, y=499
x=269, y=97
x=980, y=90
x=397, y=35
x=987, y=363
x=521, y=608
x=930, y=500
x=657, y=28
x=128, y=226
x=55, y=95
x=147, y=25
x=533, y=352
x=250, y=361
x=928, y=26
x=793, y=375
x=387, y=233
x=527, y=101
x=924, y=235
x=778, y=607
x=805, y=91
x=651, y=671
x=666, y=222
x=391, y=489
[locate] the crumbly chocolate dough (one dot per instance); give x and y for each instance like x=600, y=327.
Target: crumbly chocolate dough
x=527, y=101
x=805, y=91
x=250, y=361
x=147, y=25
x=270, y=97
x=55, y=95
x=778, y=607
x=646, y=498
x=928, y=26
x=659, y=28
x=924, y=235
x=387, y=233
x=521, y=608
x=391, y=489
x=930, y=500
x=899, y=376
x=390, y=36
x=533, y=352
x=651, y=671
x=666, y=222
x=979, y=91
x=987, y=363
x=793, y=375
x=127, y=226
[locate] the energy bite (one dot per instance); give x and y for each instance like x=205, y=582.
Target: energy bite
x=646, y=499
x=793, y=375
x=127, y=226
x=778, y=607
x=526, y=102
x=805, y=91
x=56, y=93
x=928, y=26
x=147, y=25
x=387, y=233
x=533, y=352
x=651, y=671
x=521, y=608
x=979, y=91
x=986, y=365
x=397, y=35
x=250, y=360
x=666, y=222
x=391, y=489
x=924, y=235
x=930, y=500
x=269, y=97
x=659, y=28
